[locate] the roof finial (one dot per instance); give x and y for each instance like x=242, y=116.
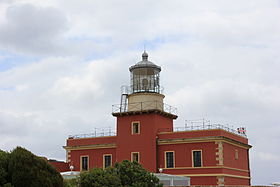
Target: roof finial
x=145, y=56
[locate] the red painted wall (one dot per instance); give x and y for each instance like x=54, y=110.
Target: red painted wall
x=155, y=127
x=91, y=141
x=204, y=180
x=237, y=181
x=59, y=166
x=229, y=157
x=145, y=142
x=95, y=157
x=163, y=124
x=183, y=153
x=183, y=161
x=202, y=133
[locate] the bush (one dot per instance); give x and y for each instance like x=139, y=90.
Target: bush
x=22, y=168
x=133, y=174
x=123, y=174
x=98, y=177
x=71, y=182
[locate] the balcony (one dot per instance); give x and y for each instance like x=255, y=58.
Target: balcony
x=144, y=107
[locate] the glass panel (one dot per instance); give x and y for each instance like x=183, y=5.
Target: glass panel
x=84, y=163
x=135, y=128
x=169, y=160
x=135, y=157
x=107, y=162
x=145, y=80
x=197, y=158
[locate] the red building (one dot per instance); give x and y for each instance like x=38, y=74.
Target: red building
x=209, y=154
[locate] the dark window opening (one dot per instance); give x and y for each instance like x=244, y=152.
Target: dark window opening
x=169, y=159
x=197, y=159
x=135, y=157
x=135, y=128
x=107, y=161
x=84, y=163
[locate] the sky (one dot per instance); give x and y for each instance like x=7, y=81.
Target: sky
x=63, y=62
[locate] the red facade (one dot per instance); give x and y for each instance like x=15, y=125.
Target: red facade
x=224, y=154
x=59, y=165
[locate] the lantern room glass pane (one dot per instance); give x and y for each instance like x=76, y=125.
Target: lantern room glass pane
x=145, y=80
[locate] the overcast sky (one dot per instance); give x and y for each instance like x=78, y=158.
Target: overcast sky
x=62, y=63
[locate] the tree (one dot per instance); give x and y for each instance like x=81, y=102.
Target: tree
x=98, y=177
x=124, y=174
x=21, y=168
x=4, y=156
x=133, y=174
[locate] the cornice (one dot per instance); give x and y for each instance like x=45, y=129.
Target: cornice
x=96, y=146
x=203, y=139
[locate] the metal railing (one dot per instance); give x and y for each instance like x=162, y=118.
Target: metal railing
x=135, y=89
x=240, y=131
x=141, y=106
x=98, y=132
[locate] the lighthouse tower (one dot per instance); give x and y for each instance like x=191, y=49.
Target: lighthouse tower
x=142, y=115
x=210, y=154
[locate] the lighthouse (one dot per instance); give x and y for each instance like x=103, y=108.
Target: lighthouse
x=210, y=154
x=142, y=115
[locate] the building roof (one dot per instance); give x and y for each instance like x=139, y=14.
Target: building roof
x=145, y=63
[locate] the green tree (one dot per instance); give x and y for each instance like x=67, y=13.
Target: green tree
x=71, y=182
x=124, y=174
x=98, y=177
x=4, y=161
x=21, y=168
x=133, y=174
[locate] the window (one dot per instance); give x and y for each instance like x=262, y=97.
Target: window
x=236, y=154
x=169, y=159
x=135, y=128
x=84, y=163
x=107, y=160
x=197, y=161
x=135, y=157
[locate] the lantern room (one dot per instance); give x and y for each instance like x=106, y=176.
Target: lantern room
x=145, y=76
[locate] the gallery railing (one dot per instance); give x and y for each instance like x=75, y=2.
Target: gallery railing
x=141, y=106
x=241, y=131
x=98, y=132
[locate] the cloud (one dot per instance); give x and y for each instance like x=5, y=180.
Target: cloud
x=62, y=64
x=57, y=96
x=31, y=29
x=268, y=156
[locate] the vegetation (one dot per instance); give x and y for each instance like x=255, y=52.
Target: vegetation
x=124, y=174
x=98, y=177
x=4, y=156
x=21, y=168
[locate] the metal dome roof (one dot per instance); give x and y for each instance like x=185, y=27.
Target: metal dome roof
x=145, y=63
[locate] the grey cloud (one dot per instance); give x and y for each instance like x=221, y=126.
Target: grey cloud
x=223, y=67
x=30, y=29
